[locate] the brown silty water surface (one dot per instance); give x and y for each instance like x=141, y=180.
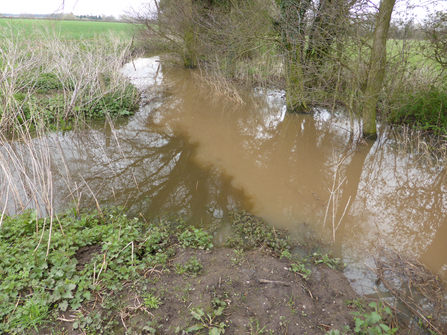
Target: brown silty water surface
x=188, y=151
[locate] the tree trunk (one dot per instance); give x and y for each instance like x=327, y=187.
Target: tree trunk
x=294, y=80
x=190, y=38
x=190, y=54
x=377, y=68
x=322, y=32
x=292, y=25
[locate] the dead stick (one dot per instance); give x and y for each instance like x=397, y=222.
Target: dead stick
x=266, y=281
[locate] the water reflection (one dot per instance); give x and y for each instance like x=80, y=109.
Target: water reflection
x=152, y=173
x=191, y=153
x=287, y=165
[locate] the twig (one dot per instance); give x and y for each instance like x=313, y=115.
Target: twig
x=266, y=281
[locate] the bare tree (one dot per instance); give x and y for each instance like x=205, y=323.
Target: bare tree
x=377, y=67
x=292, y=30
x=435, y=28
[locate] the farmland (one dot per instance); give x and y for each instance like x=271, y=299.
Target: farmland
x=67, y=29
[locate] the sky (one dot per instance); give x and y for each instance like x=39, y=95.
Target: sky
x=117, y=7
x=77, y=7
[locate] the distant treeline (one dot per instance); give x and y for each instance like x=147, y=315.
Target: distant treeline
x=69, y=16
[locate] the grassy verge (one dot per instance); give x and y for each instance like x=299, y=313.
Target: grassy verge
x=48, y=80
x=425, y=110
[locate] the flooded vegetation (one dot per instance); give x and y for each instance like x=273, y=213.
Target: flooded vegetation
x=187, y=152
x=264, y=128
x=306, y=173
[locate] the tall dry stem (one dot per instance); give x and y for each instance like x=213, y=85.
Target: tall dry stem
x=28, y=149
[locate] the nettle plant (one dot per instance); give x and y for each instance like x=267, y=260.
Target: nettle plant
x=40, y=272
x=371, y=323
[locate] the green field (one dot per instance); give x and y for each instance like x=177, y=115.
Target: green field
x=69, y=29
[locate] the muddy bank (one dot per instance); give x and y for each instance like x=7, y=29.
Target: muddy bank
x=106, y=273
x=258, y=293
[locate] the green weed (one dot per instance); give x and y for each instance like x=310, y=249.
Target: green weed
x=151, y=327
x=326, y=259
x=30, y=315
x=195, y=238
x=371, y=323
x=358, y=303
x=301, y=269
x=151, y=301
x=193, y=265
x=250, y=231
x=238, y=258
x=207, y=321
x=254, y=328
x=33, y=284
x=424, y=110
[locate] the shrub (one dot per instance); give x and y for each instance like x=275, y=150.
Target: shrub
x=426, y=110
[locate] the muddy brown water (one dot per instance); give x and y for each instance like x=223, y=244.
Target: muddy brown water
x=192, y=152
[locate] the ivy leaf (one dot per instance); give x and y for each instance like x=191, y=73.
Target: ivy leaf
x=71, y=286
x=59, y=274
x=372, y=305
x=385, y=327
x=358, y=325
x=375, y=317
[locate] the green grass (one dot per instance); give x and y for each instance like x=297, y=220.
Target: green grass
x=410, y=49
x=54, y=78
x=68, y=29
x=424, y=110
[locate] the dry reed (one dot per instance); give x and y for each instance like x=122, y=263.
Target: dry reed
x=335, y=193
x=219, y=86
x=27, y=149
x=412, y=283
x=423, y=147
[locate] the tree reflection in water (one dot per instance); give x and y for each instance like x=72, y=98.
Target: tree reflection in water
x=190, y=153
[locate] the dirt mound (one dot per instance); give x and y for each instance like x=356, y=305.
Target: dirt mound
x=257, y=293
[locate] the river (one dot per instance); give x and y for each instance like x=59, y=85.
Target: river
x=192, y=152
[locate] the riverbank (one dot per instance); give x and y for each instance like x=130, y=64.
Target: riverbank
x=104, y=273
x=54, y=83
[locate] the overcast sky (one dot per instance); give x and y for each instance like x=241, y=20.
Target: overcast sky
x=77, y=7
x=117, y=7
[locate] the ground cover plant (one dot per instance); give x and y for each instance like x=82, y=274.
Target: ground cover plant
x=58, y=264
x=425, y=111
x=102, y=272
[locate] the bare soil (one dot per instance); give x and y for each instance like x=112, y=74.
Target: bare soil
x=259, y=292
